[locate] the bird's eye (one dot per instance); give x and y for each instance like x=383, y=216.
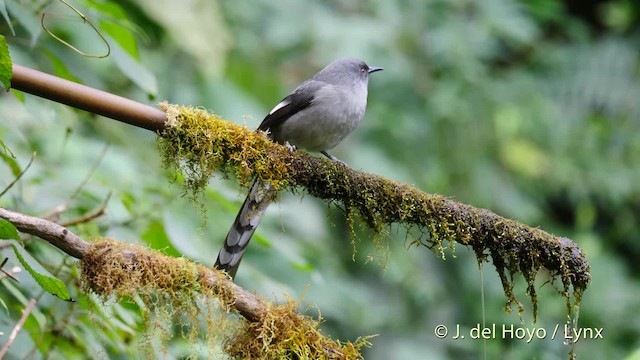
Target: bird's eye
x=363, y=71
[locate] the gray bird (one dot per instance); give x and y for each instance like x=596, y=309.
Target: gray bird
x=316, y=116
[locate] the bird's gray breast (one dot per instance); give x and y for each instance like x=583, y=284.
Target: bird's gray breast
x=332, y=115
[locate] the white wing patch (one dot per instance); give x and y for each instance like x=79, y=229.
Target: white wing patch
x=280, y=105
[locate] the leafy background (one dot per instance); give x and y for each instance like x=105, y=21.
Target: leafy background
x=528, y=108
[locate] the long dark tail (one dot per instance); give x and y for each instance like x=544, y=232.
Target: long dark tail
x=247, y=220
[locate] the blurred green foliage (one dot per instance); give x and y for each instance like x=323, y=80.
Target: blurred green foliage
x=528, y=108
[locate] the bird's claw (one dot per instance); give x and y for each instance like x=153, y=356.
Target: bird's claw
x=340, y=161
x=291, y=148
x=333, y=158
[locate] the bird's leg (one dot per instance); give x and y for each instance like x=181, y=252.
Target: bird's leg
x=333, y=158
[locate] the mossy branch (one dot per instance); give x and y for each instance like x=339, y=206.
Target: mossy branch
x=198, y=144
x=123, y=256
x=113, y=268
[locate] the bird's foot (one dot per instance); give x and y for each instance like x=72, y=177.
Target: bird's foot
x=291, y=148
x=333, y=158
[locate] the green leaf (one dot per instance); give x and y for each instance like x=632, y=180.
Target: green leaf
x=49, y=283
x=5, y=15
x=128, y=201
x=18, y=294
x=4, y=305
x=19, y=95
x=122, y=36
x=23, y=14
x=8, y=231
x=6, y=70
x=9, y=159
x=6, y=149
x=156, y=236
x=117, y=25
x=134, y=70
x=59, y=67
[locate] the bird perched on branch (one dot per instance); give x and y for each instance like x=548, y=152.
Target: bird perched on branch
x=316, y=116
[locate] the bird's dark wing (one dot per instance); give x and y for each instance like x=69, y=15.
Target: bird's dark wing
x=298, y=100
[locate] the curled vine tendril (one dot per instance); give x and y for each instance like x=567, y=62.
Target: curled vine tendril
x=86, y=21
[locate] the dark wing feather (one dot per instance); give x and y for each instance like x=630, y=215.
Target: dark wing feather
x=295, y=102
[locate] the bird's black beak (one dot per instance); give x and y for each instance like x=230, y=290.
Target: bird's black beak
x=374, y=69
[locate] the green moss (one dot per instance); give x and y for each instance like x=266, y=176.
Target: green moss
x=198, y=144
x=285, y=334
x=513, y=247
x=168, y=290
x=174, y=293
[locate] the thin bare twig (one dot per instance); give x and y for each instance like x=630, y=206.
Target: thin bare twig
x=11, y=273
x=55, y=213
x=7, y=273
x=86, y=21
x=33, y=156
x=17, y=328
x=89, y=216
x=90, y=173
